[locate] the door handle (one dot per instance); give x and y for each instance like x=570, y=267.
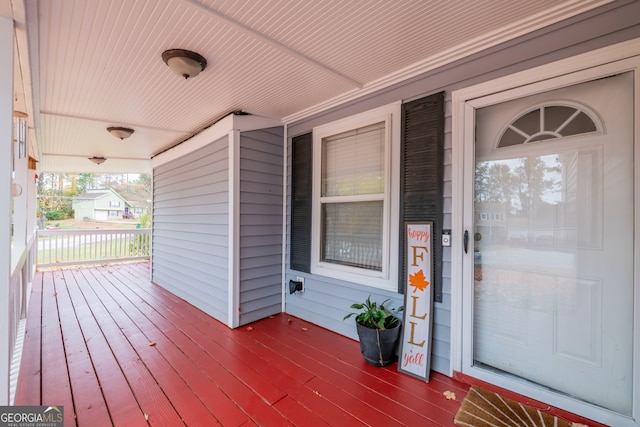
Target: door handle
x=466, y=241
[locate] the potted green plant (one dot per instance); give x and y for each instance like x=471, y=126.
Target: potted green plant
x=378, y=330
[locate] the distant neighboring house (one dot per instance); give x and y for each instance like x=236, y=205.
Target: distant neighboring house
x=135, y=208
x=99, y=205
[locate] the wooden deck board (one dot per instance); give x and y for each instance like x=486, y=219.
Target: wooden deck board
x=357, y=381
x=159, y=355
x=267, y=365
x=378, y=391
x=299, y=415
x=142, y=383
x=89, y=403
x=56, y=385
x=218, y=358
x=97, y=361
x=123, y=407
x=29, y=386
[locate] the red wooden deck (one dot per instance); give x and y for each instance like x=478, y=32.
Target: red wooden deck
x=115, y=349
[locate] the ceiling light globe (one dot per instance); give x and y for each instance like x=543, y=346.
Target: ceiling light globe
x=97, y=160
x=120, y=132
x=184, y=63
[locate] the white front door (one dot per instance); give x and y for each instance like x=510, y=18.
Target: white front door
x=551, y=285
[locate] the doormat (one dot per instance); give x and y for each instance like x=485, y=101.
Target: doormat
x=483, y=408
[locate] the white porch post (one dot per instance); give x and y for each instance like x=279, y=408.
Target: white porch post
x=234, y=229
x=6, y=142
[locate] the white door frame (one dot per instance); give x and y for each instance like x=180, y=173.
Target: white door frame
x=606, y=61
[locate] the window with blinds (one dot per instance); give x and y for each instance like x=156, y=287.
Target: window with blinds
x=352, y=197
x=356, y=181
x=353, y=205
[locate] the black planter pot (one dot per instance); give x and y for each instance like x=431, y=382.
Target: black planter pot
x=378, y=346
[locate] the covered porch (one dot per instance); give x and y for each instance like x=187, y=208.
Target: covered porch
x=115, y=349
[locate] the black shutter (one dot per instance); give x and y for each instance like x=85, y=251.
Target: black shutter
x=301, y=164
x=422, y=167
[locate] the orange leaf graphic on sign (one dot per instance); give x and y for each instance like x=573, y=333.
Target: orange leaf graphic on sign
x=418, y=281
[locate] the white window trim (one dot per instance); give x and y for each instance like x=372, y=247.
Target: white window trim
x=387, y=278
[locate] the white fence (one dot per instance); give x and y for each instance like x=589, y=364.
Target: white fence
x=75, y=247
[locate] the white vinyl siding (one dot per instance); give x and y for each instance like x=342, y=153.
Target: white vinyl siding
x=260, y=255
x=190, y=228
x=326, y=300
x=83, y=209
x=217, y=221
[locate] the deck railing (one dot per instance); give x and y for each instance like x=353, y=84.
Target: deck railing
x=75, y=247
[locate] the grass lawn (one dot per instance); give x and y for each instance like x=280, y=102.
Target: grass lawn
x=78, y=224
x=65, y=248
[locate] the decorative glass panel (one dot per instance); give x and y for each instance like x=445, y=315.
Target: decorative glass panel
x=547, y=122
x=581, y=123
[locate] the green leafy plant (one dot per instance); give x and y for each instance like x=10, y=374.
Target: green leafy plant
x=144, y=220
x=56, y=215
x=374, y=315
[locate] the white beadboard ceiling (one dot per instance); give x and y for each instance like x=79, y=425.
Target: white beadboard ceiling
x=84, y=65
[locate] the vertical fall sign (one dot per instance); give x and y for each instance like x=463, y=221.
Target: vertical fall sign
x=415, y=348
